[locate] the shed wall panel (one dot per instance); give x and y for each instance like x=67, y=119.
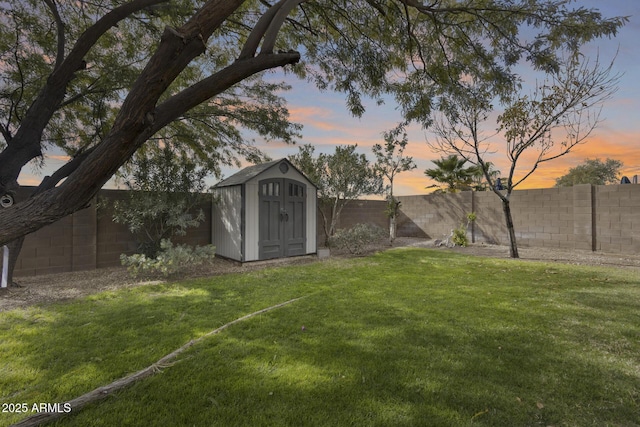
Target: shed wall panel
x=252, y=230
x=312, y=200
x=227, y=222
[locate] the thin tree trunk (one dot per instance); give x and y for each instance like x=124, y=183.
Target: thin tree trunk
x=513, y=247
x=393, y=210
x=325, y=223
x=334, y=217
x=392, y=228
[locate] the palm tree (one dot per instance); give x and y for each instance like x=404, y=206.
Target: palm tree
x=451, y=172
x=479, y=180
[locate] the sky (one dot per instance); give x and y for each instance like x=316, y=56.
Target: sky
x=327, y=123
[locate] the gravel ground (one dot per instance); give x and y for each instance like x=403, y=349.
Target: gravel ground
x=65, y=286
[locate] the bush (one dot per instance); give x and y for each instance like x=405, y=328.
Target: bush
x=171, y=259
x=165, y=198
x=459, y=237
x=357, y=238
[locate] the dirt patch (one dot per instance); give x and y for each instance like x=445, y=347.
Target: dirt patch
x=64, y=286
x=567, y=256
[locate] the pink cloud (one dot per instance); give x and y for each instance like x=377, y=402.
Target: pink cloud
x=59, y=157
x=316, y=117
x=29, y=179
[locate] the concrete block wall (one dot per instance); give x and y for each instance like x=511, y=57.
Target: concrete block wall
x=433, y=215
x=586, y=217
x=48, y=250
x=67, y=245
x=617, y=218
x=364, y=212
x=600, y=218
x=112, y=239
x=583, y=218
x=89, y=239
x=357, y=212
x=543, y=217
x=84, y=239
x=489, y=226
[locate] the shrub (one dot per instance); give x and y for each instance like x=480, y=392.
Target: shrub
x=357, y=238
x=459, y=237
x=170, y=259
x=166, y=192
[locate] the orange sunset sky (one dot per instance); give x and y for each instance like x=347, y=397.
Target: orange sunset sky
x=327, y=123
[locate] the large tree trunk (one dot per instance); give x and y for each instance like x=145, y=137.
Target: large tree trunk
x=140, y=117
x=513, y=247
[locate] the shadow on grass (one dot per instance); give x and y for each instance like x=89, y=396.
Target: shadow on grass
x=405, y=338
x=63, y=350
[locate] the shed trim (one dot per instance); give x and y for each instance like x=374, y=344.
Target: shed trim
x=250, y=172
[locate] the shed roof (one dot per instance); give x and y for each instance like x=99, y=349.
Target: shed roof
x=251, y=172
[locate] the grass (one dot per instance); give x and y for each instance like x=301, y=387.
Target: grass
x=408, y=337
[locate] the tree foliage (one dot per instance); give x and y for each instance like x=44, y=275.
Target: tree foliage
x=592, y=171
x=209, y=133
x=390, y=158
x=100, y=79
x=163, y=199
x=340, y=177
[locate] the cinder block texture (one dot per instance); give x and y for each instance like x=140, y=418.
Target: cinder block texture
x=601, y=218
x=89, y=239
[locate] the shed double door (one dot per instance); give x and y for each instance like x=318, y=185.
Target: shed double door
x=282, y=228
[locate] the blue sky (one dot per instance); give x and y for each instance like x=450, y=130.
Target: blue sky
x=327, y=122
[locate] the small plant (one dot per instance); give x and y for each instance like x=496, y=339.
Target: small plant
x=357, y=238
x=459, y=235
x=170, y=259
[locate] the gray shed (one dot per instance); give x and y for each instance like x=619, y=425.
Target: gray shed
x=265, y=211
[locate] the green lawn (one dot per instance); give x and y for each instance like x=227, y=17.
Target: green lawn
x=409, y=337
